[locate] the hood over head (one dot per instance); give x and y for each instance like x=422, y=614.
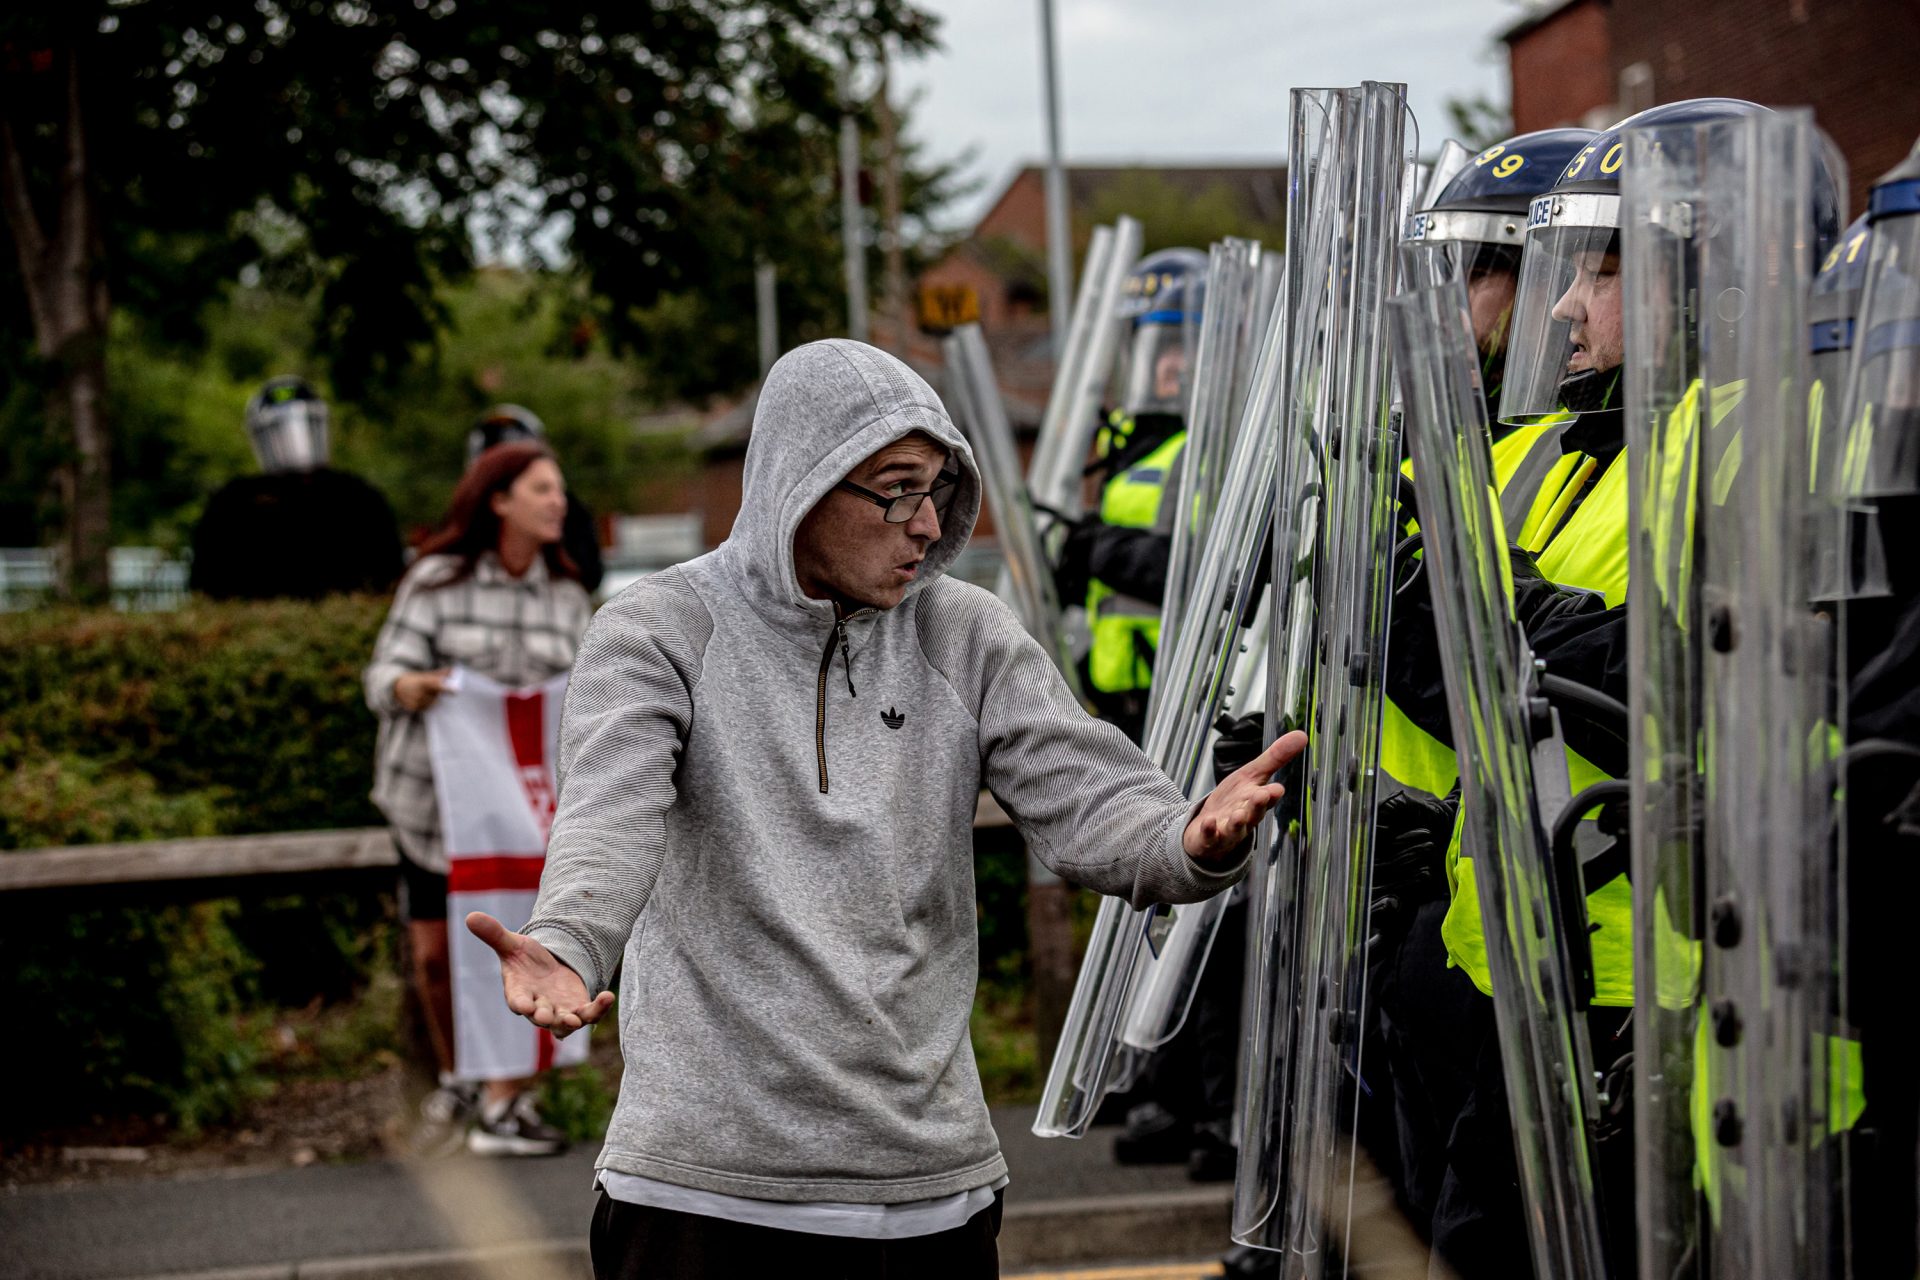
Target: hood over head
x=823, y=409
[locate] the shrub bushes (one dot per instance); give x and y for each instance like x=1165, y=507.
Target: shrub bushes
x=211, y=720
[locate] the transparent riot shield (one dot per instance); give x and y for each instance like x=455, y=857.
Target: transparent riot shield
x=1339, y=462
x=1190, y=686
x=1664, y=822
x=1057, y=432
x=1882, y=417
x=1513, y=783
x=1066, y=430
x=1738, y=1143
x=1270, y=1024
x=973, y=397
x=1178, y=950
x=1233, y=276
x=1452, y=158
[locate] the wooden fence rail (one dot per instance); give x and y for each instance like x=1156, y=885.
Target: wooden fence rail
x=240, y=859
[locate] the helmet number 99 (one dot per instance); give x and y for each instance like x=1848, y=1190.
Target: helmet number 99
x=1510, y=166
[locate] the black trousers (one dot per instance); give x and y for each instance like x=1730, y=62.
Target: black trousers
x=636, y=1242
x=1459, y=1175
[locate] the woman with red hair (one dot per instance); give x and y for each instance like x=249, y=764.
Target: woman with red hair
x=494, y=591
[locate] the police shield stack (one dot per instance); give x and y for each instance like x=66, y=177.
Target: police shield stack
x=1513, y=782
x=1742, y=1076
x=1338, y=460
x=973, y=397
x=1080, y=376
x=1880, y=778
x=1151, y=959
x=1214, y=634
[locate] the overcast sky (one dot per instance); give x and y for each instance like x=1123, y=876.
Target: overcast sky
x=1192, y=80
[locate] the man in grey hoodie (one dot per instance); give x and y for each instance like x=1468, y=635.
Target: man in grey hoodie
x=769, y=763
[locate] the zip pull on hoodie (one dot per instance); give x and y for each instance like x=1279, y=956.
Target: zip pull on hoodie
x=840, y=630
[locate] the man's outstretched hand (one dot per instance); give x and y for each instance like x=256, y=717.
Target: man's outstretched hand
x=539, y=988
x=1233, y=809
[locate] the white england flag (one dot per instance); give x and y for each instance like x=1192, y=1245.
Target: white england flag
x=493, y=751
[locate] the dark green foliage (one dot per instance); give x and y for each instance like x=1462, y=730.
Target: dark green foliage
x=135, y=1010
x=211, y=719
x=1479, y=121
x=214, y=719
x=355, y=147
x=1000, y=889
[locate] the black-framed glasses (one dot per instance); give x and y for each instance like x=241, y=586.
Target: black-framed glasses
x=906, y=506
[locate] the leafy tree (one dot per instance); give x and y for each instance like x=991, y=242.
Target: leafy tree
x=151, y=152
x=1479, y=121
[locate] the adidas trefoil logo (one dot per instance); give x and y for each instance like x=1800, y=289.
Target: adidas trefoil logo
x=894, y=719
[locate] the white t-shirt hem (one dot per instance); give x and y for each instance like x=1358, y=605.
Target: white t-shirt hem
x=823, y=1218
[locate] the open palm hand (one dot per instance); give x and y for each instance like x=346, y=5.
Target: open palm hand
x=538, y=986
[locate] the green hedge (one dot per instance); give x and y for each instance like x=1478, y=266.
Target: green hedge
x=210, y=720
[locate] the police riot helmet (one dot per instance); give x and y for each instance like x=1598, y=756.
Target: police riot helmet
x=287, y=426
x=1832, y=303
x=1883, y=396
x=500, y=425
x=1161, y=304
x=1568, y=345
x=1478, y=221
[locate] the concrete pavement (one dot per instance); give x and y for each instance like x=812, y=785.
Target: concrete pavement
x=463, y=1217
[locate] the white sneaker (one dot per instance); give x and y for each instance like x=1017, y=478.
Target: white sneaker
x=444, y=1116
x=513, y=1127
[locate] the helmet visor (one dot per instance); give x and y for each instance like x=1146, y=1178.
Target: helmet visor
x=1882, y=417
x=290, y=436
x=1155, y=378
x=1569, y=338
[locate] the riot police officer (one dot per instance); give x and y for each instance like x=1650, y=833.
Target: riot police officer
x=1474, y=231
x=1116, y=560
x=300, y=528
x=1565, y=365
x=1876, y=427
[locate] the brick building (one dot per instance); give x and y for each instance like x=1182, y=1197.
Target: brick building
x=1593, y=61
x=997, y=275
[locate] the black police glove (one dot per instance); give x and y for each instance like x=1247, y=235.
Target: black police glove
x=1240, y=743
x=1410, y=837
x=1540, y=603
x=1073, y=572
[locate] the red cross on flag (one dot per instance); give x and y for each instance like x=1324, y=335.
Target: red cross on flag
x=493, y=750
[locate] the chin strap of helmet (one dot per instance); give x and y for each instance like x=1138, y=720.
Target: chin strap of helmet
x=1590, y=390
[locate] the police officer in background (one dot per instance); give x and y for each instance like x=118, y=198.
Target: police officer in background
x=580, y=534
x=1117, y=560
x=300, y=528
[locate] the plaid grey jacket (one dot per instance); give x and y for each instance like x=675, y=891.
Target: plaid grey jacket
x=515, y=630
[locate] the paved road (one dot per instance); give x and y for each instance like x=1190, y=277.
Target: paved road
x=462, y=1205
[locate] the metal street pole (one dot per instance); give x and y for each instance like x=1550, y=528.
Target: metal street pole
x=766, y=313
x=894, y=290
x=850, y=210
x=1059, y=251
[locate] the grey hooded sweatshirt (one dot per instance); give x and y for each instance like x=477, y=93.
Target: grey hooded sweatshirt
x=770, y=836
